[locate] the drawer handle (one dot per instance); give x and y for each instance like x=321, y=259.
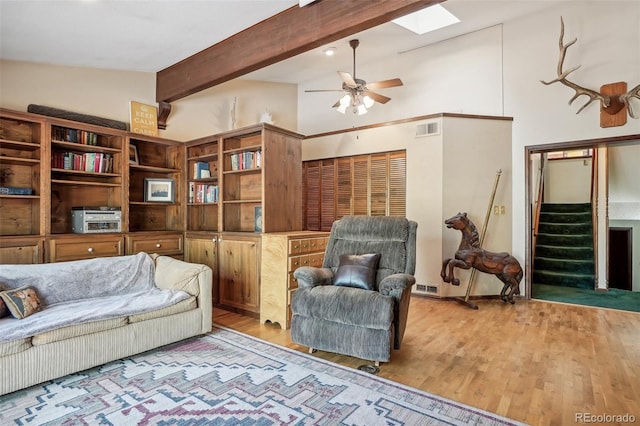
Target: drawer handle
x=90, y=249
x=158, y=245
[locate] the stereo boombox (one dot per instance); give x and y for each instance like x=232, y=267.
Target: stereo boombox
x=89, y=220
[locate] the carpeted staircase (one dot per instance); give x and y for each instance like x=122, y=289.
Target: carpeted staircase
x=564, y=246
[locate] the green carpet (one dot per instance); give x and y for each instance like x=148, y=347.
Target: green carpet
x=614, y=298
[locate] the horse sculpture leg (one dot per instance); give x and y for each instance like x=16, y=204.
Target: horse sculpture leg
x=457, y=263
x=511, y=278
x=443, y=272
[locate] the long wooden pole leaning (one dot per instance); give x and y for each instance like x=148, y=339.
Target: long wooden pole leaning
x=466, y=301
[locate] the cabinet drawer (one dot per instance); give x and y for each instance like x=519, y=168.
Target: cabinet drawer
x=63, y=250
x=315, y=260
x=166, y=244
x=294, y=247
x=293, y=283
x=28, y=253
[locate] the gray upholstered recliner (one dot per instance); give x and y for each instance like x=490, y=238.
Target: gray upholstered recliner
x=358, y=322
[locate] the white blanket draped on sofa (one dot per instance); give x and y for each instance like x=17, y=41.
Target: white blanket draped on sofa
x=93, y=290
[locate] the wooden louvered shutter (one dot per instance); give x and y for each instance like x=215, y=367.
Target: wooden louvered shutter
x=378, y=185
x=397, y=184
x=371, y=184
x=344, y=190
x=361, y=185
x=327, y=195
x=312, y=190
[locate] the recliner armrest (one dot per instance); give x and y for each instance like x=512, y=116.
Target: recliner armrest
x=310, y=276
x=396, y=282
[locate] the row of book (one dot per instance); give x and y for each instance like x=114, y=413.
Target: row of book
x=94, y=162
x=246, y=160
x=72, y=135
x=15, y=190
x=201, y=170
x=201, y=193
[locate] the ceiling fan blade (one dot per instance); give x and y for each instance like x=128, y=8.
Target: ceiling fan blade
x=377, y=97
x=336, y=105
x=326, y=90
x=348, y=80
x=384, y=84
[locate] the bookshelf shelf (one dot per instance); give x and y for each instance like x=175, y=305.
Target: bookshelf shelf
x=153, y=169
x=25, y=146
x=84, y=173
x=26, y=197
x=19, y=160
x=247, y=148
x=72, y=146
x=86, y=183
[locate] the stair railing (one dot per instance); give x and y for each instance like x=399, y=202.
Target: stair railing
x=594, y=208
x=538, y=207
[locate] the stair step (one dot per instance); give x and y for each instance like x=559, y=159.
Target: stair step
x=564, y=279
x=564, y=252
x=583, y=228
x=569, y=241
x=565, y=217
x=576, y=266
x=565, y=207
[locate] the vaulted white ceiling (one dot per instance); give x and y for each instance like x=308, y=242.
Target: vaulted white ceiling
x=147, y=36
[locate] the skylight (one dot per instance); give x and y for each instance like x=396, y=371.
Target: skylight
x=425, y=20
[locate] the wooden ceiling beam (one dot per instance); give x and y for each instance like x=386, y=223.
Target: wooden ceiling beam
x=282, y=36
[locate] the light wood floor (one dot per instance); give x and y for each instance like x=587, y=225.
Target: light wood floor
x=536, y=362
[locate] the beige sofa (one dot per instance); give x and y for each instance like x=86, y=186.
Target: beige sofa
x=62, y=348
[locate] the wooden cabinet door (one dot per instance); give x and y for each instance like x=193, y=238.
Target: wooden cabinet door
x=204, y=251
x=16, y=251
x=239, y=272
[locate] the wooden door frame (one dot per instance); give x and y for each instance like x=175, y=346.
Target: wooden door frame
x=559, y=146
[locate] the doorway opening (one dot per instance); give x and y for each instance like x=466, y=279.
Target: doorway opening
x=583, y=222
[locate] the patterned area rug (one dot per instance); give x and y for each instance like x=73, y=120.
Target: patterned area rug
x=228, y=378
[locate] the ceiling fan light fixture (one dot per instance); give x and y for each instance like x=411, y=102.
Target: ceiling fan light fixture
x=345, y=102
x=361, y=109
x=367, y=101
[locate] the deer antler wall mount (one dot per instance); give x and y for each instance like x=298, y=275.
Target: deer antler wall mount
x=615, y=100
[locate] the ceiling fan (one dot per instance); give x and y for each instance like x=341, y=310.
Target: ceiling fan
x=359, y=95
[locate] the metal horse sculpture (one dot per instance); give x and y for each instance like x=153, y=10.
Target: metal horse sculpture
x=470, y=254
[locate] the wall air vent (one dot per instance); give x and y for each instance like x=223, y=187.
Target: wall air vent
x=421, y=287
x=427, y=129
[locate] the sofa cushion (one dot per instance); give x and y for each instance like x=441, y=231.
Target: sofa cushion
x=81, y=311
x=357, y=271
x=185, y=305
x=22, y=301
x=179, y=275
x=77, y=330
x=14, y=346
x=4, y=311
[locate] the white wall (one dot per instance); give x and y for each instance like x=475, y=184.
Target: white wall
x=106, y=93
x=567, y=181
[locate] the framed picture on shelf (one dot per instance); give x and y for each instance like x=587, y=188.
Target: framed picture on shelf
x=133, y=155
x=159, y=190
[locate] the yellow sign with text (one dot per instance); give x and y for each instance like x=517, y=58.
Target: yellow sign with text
x=144, y=119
